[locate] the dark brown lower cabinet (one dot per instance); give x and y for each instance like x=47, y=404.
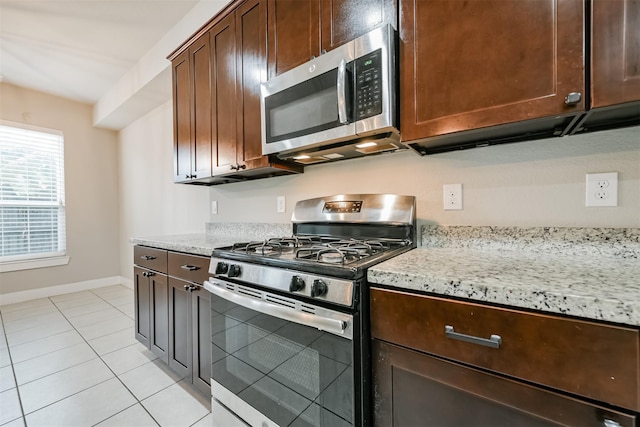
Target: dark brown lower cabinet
x=151, y=311
x=179, y=327
x=172, y=311
x=189, y=333
x=416, y=389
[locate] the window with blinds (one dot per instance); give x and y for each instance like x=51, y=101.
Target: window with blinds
x=32, y=209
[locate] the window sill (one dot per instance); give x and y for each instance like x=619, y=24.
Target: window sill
x=29, y=264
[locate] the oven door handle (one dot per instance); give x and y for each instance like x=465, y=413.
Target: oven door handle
x=334, y=326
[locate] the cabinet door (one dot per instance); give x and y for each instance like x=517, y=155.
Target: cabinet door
x=223, y=94
x=473, y=64
x=159, y=335
x=414, y=389
x=251, y=43
x=181, y=118
x=345, y=20
x=201, y=336
x=293, y=33
x=200, y=57
x=615, y=46
x=180, y=327
x=142, y=301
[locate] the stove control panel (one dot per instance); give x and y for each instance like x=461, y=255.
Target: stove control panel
x=346, y=206
x=309, y=285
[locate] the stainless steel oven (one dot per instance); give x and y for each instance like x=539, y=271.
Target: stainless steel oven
x=281, y=362
x=339, y=105
x=289, y=316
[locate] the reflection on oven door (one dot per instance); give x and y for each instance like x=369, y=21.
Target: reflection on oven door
x=290, y=374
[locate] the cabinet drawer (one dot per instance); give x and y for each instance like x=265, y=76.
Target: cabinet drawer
x=191, y=268
x=597, y=361
x=151, y=258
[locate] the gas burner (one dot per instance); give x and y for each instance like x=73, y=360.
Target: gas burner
x=260, y=248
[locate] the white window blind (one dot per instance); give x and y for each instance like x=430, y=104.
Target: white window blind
x=32, y=209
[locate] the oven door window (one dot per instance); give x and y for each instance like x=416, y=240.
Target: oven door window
x=293, y=374
x=306, y=108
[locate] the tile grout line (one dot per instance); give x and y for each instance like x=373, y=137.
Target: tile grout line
x=108, y=367
x=86, y=341
x=15, y=380
x=80, y=391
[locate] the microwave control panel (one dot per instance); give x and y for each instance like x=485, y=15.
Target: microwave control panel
x=368, y=72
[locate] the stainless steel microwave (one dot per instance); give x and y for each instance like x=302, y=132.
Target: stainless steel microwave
x=340, y=105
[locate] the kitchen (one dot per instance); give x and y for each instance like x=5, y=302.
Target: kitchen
x=529, y=184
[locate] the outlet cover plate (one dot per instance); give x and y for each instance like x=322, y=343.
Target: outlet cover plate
x=280, y=204
x=452, y=197
x=602, y=189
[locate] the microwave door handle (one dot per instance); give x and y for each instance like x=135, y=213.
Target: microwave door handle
x=334, y=326
x=342, y=95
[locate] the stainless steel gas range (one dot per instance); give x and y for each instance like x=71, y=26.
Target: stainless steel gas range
x=289, y=316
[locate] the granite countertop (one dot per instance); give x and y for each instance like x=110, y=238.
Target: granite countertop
x=584, y=272
x=197, y=244
x=589, y=273
x=217, y=235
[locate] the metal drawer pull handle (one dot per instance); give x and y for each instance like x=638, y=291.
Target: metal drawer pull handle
x=147, y=257
x=189, y=267
x=494, y=341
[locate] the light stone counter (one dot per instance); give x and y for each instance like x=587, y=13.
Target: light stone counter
x=196, y=244
x=217, y=235
x=589, y=273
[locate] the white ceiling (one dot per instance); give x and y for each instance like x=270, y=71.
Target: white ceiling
x=80, y=49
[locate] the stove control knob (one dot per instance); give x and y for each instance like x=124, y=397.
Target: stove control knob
x=222, y=268
x=297, y=284
x=318, y=288
x=234, y=271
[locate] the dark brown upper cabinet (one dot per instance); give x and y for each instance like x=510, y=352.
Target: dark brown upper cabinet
x=300, y=30
x=216, y=85
x=223, y=94
x=182, y=170
x=489, y=63
x=615, y=65
x=615, y=52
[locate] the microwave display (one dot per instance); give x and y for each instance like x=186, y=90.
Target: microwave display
x=368, y=85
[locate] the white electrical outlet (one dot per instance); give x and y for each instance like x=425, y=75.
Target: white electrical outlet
x=280, y=204
x=214, y=207
x=452, y=197
x=602, y=189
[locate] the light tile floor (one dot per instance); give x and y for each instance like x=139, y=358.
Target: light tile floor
x=72, y=360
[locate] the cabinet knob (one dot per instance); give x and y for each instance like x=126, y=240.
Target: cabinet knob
x=189, y=267
x=238, y=167
x=611, y=423
x=234, y=167
x=573, y=98
x=148, y=274
x=147, y=257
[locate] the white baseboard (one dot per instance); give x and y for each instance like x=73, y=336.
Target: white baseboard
x=21, y=296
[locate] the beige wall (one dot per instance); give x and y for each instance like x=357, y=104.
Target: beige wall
x=537, y=183
x=91, y=183
x=150, y=203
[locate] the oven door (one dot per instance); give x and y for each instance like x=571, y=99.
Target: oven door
x=279, y=362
